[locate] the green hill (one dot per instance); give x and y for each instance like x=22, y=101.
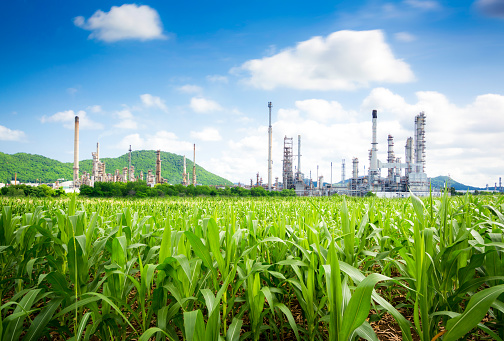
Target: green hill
x=30, y=167
x=439, y=182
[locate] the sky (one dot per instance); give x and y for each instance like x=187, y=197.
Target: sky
x=170, y=74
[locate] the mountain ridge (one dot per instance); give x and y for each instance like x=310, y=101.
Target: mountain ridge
x=35, y=167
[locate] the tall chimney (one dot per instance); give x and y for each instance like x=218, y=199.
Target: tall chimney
x=270, y=137
x=158, y=167
x=299, y=158
x=373, y=169
x=194, y=167
x=76, y=153
x=184, y=174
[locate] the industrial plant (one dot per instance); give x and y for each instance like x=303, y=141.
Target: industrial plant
x=98, y=173
x=401, y=178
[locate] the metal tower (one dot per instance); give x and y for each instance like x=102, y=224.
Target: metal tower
x=288, y=179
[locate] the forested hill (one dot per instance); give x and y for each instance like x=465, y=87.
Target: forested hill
x=30, y=167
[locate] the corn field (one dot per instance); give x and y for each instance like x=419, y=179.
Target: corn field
x=252, y=269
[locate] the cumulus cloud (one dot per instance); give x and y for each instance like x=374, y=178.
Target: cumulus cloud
x=404, y=37
x=68, y=119
x=153, y=102
x=128, y=21
x=344, y=60
x=491, y=8
x=217, y=79
x=127, y=121
x=95, y=108
x=162, y=140
x=190, y=89
x=454, y=134
x=7, y=134
x=207, y=134
x=462, y=140
x=426, y=5
x=202, y=105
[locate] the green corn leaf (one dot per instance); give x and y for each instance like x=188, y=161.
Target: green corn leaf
x=289, y=317
x=166, y=242
x=214, y=243
x=42, y=319
x=473, y=314
x=15, y=327
x=233, y=333
x=82, y=325
x=194, y=325
x=360, y=304
x=366, y=332
x=202, y=252
x=151, y=331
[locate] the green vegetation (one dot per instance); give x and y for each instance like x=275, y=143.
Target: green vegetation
x=252, y=268
x=37, y=168
x=139, y=189
x=41, y=191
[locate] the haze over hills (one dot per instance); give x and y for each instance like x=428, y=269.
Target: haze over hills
x=33, y=167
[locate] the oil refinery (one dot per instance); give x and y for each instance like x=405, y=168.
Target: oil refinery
x=401, y=178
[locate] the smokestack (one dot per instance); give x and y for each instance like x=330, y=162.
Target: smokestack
x=342, y=171
x=184, y=174
x=76, y=153
x=270, y=137
x=158, y=167
x=373, y=169
x=299, y=158
x=194, y=167
x=129, y=165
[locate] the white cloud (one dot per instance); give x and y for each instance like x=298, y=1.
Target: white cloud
x=462, y=140
x=207, y=134
x=68, y=119
x=217, y=79
x=426, y=5
x=7, y=134
x=202, y=105
x=153, y=102
x=343, y=60
x=190, y=89
x=72, y=91
x=162, y=140
x=128, y=21
x=95, y=108
x=127, y=120
x=491, y=8
x=324, y=111
x=404, y=37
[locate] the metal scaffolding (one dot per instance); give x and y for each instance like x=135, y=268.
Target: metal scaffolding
x=288, y=177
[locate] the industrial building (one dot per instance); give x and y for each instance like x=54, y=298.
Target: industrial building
x=401, y=177
x=99, y=174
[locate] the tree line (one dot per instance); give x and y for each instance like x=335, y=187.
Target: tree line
x=140, y=189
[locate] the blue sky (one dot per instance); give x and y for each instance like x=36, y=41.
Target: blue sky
x=165, y=75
